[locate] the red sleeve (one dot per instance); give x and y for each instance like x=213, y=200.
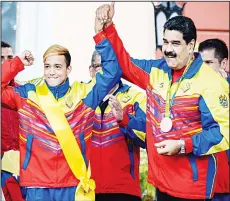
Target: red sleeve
x=137, y=73
x=9, y=70
x=125, y=120
x=99, y=37
x=188, y=145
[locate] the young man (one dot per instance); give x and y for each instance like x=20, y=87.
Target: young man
x=116, y=141
x=214, y=52
x=56, y=122
x=187, y=113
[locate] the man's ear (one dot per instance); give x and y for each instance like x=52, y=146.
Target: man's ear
x=69, y=69
x=224, y=63
x=191, y=46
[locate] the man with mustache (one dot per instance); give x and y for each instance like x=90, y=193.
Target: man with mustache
x=187, y=113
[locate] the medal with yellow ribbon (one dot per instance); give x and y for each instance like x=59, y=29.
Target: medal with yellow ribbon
x=56, y=117
x=166, y=123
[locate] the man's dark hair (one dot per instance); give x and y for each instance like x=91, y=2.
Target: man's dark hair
x=5, y=45
x=219, y=46
x=184, y=25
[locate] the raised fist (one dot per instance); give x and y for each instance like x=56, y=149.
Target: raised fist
x=27, y=58
x=98, y=25
x=105, y=13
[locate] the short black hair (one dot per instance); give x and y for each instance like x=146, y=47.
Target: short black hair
x=184, y=25
x=219, y=46
x=5, y=45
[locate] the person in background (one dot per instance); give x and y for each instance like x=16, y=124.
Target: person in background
x=9, y=141
x=7, y=51
x=9, y=137
x=118, y=133
x=214, y=52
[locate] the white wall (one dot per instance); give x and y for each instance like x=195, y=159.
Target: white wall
x=71, y=24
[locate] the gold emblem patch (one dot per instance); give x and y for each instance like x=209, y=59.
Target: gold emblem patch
x=185, y=87
x=125, y=98
x=69, y=101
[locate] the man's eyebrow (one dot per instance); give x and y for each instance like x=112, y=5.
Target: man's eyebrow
x=176, y=41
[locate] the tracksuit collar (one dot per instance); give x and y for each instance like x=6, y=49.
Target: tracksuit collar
x=60, y=90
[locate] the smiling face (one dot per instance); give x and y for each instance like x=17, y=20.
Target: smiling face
x=55, y=70
x=176, y=52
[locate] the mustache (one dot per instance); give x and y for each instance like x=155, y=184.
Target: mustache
x=172, y=54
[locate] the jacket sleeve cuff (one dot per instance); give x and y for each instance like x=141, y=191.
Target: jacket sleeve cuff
x=99, y=37
x=20, y=65
x=125, y=120
x=188, y=145
x=110, y=29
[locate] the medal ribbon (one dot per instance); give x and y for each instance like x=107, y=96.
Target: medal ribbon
x=169, y=103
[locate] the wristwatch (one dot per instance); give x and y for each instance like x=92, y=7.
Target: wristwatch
x=182, y=146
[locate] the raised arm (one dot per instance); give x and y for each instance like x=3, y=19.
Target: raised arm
x=10, y=69
x=134, y=70
x=111, y=72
